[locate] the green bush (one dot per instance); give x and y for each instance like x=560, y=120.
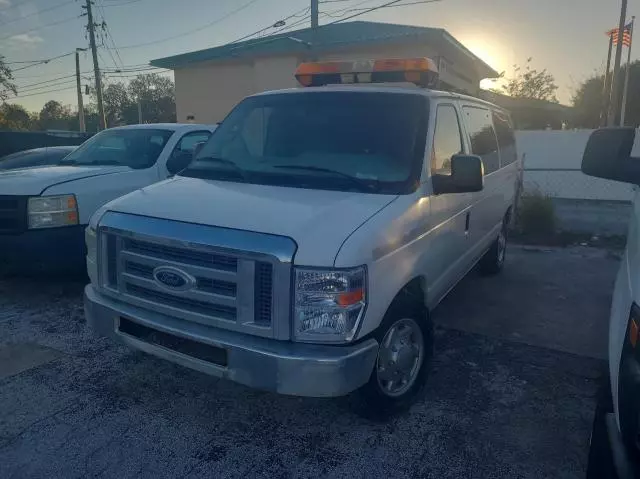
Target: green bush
x=536, y=215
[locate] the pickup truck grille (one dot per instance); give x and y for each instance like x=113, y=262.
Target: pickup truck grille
x=13, y=214
x=230, y=290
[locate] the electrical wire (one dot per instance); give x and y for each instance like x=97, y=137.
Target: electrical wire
x=347, y=10
x=121, y=4
x=195, y=30
x=37, y=12
x=42, y=62
x=64, y=20
x=294, y=15
x=372, y=9
x=45, y=92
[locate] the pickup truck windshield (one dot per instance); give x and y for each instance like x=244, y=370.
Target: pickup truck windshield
x=350, y=141
x=133, y=147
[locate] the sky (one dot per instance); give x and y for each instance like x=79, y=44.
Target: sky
x=564, y=36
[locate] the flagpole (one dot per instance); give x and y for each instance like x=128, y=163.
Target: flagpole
x=614, y=106
x=606, y=90
x=626, y=75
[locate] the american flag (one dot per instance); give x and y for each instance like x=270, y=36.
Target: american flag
x=626, y=37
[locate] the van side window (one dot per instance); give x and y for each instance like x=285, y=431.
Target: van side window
x=483, y=137
x=506, y=138
x=447, y=140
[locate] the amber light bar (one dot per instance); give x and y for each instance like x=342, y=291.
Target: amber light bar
x=421, y=71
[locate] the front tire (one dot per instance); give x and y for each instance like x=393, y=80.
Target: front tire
x=402, y=366
x=493, y=260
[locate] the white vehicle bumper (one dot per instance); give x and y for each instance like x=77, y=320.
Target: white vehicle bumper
x=279, y=366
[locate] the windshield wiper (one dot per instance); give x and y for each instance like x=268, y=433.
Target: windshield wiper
x=361, y=183
x=223, y=161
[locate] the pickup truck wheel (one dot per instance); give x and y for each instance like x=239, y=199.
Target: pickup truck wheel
x=402, y=365
x=493, y=260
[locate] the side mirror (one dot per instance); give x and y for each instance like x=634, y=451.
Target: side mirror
x=608, y=155
x=197, y=147
x=466, y=176
x=179, y=162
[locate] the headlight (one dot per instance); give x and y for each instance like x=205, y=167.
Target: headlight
x=91, y=240
x=52, y=211
x=328, y=304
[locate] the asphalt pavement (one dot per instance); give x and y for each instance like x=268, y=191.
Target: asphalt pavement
x=512, y=392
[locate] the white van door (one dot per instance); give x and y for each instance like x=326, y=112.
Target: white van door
x=449, y=217
x=487, y=205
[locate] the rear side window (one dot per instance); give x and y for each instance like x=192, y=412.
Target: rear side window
x=447, y=141
x=506, y=139
x=483, y=137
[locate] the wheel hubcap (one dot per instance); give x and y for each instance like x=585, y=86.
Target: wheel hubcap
x=400, y=357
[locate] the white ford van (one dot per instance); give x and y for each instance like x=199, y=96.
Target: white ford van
x=304, y=247
x=44, y=210
x=615, y=442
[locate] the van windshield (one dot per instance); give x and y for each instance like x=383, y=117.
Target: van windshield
x=133, y=147
x=365, y=141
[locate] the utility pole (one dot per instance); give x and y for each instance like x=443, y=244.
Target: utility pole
x=96, y=67
x=626, y=73
x=83, y=128
x=314, y=13
x=139, y=111
x=606, y=91
x=614, y=106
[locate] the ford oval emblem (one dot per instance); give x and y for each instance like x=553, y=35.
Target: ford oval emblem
x=173, y=278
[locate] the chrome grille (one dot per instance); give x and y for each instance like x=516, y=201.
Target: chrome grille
x=228, y=288
x=13, y=214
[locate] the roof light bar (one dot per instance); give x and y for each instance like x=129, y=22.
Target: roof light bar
x=421, y=71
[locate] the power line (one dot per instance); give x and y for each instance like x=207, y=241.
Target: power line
x=44, y=87
x=37, y=12
x=347, y=10
x=294, y=15
x=73, y=87
x=210, y=24
x=121, y=4
x=46, y=81
x=64, y=20
x=372, y=9
x=42, y=62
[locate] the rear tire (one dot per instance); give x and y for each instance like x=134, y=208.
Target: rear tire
x=402, y=366
x=493, y=260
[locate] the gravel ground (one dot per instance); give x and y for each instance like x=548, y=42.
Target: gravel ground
x=504, y=399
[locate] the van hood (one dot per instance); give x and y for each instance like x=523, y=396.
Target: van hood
x=318, y=221
x=33, y=181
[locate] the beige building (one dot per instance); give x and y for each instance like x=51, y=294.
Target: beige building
x=210, y=82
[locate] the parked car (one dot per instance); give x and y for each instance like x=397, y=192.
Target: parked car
x=304, y=247
x=36, y=157
x=44, y=210
x=615, y=439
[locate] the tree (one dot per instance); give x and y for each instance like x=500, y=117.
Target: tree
x=6, y=84
x=54, y=116
x=14, y=117
x=117, y=104
x=588, y=101
x=531, y=83
x=156, y=95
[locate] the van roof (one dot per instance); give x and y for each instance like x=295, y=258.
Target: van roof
x=383, y=88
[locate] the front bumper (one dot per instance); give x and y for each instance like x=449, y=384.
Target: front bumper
x=46, y=249
x=279, y=366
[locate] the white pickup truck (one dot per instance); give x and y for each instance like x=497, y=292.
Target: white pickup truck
x=44, y=210
x=615, y=440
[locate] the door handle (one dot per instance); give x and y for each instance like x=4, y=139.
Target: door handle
x=466, y=224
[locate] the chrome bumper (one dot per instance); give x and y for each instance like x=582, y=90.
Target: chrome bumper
x=279, y=366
